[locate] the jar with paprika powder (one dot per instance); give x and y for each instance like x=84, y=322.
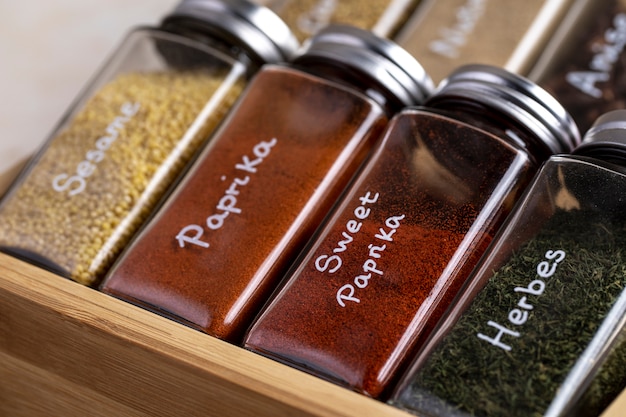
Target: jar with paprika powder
x=540, y=329
x=225, y=238
x=132, y=131
x=411, y=228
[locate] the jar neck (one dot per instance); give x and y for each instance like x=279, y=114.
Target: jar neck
x=495, y=122
x=215, y=39
x=613, y=156
x=351, y=78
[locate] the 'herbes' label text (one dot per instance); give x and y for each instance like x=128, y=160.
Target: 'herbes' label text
x=519, y=315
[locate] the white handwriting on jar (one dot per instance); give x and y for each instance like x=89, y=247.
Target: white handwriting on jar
x=334, y=262
x=452, y=39
x=77, y=183
x=227, y=204
x=519, y=316
x=603, y=61
x=318, y=17
x=347, y=293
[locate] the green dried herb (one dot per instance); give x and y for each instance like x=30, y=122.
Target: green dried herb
x=468, y=374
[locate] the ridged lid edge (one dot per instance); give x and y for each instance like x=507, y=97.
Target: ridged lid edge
x=606, y=139
x=379, y=58
x=256, y=28
x=517, y=97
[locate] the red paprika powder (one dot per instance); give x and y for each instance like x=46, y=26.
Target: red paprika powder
x=224, y=239
x=411, y=228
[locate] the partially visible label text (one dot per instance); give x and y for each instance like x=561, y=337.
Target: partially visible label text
x=318, y=17
x=607, y=53
x=452, y=39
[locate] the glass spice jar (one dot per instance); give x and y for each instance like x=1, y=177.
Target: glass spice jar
x=540, y=328
x=409, y=231
x=445, y=34
x=223, y=241
x=307, y=17
x=132, y=131
x=584, y=64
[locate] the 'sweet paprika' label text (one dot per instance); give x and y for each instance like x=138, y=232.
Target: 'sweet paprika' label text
x=332, y=263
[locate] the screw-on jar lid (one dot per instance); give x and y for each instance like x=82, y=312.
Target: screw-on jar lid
x=515, y=97
x=606, y=139
x=255, y=28
x=379, y=59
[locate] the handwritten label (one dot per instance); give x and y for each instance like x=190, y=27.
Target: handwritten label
x=370, y=268
x=607, y=54
x=452, y=39
x=227, y=205
x=77, y=183
x=317, y=17
x=332, y=263
x=519, y=315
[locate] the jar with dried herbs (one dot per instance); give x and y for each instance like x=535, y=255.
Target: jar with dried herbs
x=131, y=133
x=540, y=328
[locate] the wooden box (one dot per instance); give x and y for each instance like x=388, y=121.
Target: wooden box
x=68, y=350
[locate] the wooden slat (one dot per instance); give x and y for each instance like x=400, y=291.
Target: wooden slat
x=618, y=408
x=75, y=339
x=28, y=391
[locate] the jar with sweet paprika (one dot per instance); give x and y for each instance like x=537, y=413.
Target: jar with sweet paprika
x=540, y=329
x=132, y=131
x=411, y=228
x=255, y=196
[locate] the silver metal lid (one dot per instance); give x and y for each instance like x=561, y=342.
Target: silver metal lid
x=516, y=97
x=256, y=28
x=606, y=139
x=379, y=59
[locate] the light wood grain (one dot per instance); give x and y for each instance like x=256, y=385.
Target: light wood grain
x=29, y=391
x=71, y=347
x=618, y=408
x=69, y=350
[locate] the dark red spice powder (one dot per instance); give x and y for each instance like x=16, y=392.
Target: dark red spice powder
x=304, y=138
x=436, y=190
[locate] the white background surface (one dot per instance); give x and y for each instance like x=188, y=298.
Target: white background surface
x=48, y=52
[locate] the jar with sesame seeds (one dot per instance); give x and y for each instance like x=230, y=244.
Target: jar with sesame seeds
x=131, y=132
